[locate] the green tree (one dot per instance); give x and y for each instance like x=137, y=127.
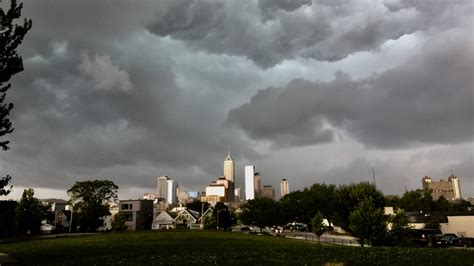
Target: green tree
x=11, y=35
x=349, y=197
x=260, y=212
x=400, y=232
x=317, y=224
x=90, y=200
x=210, y=222
x=417, y=200
x=29, y=213
x=368, y=223
x=118, y=223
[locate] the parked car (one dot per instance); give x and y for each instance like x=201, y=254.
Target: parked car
x=438, y=240
x=451, y=239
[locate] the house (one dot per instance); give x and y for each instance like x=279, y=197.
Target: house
x=138, y=214
x=164, y=220
x=186, y=218
x=62, y=219
x=46, y=228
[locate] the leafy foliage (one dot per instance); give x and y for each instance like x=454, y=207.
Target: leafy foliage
x=11, y=35
x=302, y=206
x=318, y=225
x=261, y=212
x=118, y=223
x=90, y=201
x=400, y=232
x=368, y=223
x=3, y=183
x=349, y=197
x=29, y=213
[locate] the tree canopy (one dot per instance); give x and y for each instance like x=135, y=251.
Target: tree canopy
x=90, y=200
x=260, y=212
x=29, y=213
x=349, y=197
x=11, y=35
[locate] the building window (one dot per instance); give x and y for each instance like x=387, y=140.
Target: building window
x=128, y=217
x=125, y=206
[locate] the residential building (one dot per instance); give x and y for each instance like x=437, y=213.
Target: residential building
x=138, y=213
x=229, y=170
x=268, y=192
x=284, y=187
x=450, y=189
x=257, y=185
x=164, y=220
x=249, y=182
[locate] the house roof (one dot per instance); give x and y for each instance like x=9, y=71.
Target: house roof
x=66, y=213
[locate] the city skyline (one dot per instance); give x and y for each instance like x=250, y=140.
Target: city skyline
x=314, y=92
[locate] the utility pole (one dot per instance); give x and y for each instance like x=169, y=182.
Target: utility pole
x=373, y=174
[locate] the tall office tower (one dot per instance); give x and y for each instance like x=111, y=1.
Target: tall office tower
x=268, y=192
x=249, y=182
x=284, y=188
x=162, y=188
x=229, y=170
x=237, y=194
x=256, y=186
x=171, y=194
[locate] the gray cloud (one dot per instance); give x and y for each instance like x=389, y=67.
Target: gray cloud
x=77, y=117
x=318, y=30
x=428, y=99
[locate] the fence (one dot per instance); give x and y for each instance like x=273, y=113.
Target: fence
x=328, y=240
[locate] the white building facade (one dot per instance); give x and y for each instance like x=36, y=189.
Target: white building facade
x=249, y=182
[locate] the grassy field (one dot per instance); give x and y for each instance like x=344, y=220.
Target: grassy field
x=202, y=247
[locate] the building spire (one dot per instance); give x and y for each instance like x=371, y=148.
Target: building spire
x=228, y=151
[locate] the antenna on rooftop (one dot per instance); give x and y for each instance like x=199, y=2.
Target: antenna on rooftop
x=373, y=174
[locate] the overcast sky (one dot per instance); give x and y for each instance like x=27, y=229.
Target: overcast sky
x=311, y=91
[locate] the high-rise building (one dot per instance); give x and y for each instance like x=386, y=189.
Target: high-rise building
x=268, y=192
x=237, y=194
x=166, y=190
x=257, y=185
x=450, y=189
x=162, y=187
x=172, y=189
x=229, y=170
x=249, y=182
x=284, y=188
x=221, y=190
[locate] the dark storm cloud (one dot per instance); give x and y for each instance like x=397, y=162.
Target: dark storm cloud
x=94, y=99
x=428, y=99
x=323, y=30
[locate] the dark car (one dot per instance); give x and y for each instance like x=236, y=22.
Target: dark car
x=438, y=240
x=451, y=239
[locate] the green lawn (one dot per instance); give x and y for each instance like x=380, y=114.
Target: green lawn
x=202, y=247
